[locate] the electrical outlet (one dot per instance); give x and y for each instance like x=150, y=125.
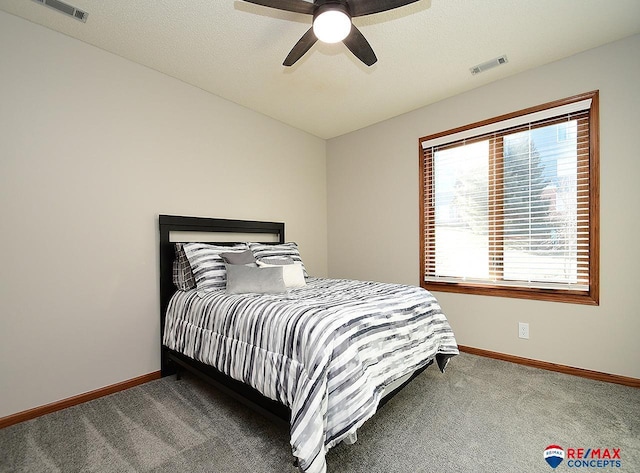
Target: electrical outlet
x=523, y=330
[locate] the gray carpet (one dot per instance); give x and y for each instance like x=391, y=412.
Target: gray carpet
x=482, y=415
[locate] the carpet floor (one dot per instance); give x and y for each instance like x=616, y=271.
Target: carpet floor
x=482, y=415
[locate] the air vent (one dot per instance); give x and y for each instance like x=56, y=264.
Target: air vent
x=66, y=9
x=499, y=61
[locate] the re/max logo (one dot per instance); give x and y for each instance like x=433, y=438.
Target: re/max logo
x=593, y=453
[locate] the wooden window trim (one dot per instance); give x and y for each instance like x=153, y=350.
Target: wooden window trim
x=427, y=226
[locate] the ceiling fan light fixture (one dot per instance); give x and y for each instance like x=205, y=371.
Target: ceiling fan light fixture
x=331, y=24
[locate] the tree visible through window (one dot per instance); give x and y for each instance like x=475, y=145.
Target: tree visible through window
x=509, y=206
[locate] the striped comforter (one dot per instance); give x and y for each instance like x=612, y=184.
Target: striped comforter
x=326, y=350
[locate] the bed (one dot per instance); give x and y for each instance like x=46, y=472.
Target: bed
x=320, y=354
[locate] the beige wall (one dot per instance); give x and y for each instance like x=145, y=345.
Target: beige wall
x=372, y=177
x=92, y=149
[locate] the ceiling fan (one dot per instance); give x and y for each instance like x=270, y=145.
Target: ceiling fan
x=332, y=23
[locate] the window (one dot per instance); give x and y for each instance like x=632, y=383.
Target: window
x=509, y=206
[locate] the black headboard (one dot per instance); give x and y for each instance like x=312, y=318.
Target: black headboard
x=175, y=223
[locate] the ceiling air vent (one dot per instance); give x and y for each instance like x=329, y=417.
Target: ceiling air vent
x=66, y=9
x=499, y=61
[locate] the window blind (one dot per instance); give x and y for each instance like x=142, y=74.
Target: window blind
x=519, y=120
x=507, y=203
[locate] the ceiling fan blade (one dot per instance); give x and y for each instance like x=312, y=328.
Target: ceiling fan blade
x=369, y=7
x=298, y=6
x=302, y=46
x=360, y=47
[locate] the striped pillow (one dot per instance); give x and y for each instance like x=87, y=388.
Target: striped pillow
x=265, y=251
x=207, y=265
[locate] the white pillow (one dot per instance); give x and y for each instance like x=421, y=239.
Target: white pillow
x=293, y=274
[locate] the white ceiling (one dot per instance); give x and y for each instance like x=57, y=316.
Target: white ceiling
x=235, y=50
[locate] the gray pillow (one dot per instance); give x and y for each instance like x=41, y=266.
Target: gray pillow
x=243, y=257
x=243, y=279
